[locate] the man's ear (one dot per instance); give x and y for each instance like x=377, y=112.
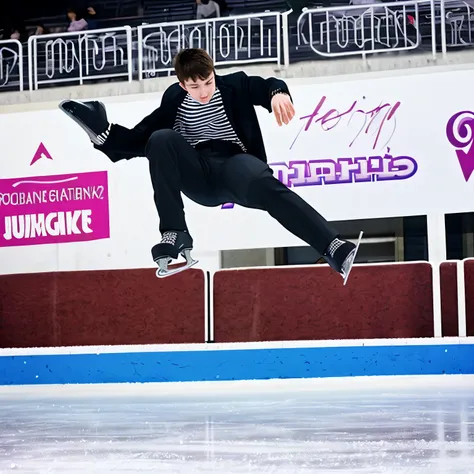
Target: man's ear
x=182, y=85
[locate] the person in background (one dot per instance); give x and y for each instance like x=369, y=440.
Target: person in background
x=19, y=33
x=225, y=9
x=13, y=27
x=77, y=22
x=41, y=30
x=207, y=9
x=15, y=35
x=92, y=17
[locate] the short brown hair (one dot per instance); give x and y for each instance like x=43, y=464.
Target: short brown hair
x=193, y=63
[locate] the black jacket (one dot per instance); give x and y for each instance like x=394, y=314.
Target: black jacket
x=240, y=93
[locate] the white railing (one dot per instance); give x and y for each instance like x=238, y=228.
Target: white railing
x=11, y=65
x=80, y=56
x=229, y=40
x=148, y=50
x=365, y=29
x=458, y=19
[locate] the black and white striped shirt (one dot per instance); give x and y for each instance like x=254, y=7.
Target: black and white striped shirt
x=198, y=122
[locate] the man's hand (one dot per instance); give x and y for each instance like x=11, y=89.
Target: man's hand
x=282, y=108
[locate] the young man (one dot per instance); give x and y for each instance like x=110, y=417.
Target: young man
x=205, y=141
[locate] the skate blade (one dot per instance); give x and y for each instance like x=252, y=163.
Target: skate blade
x=354, y=255
x=164, y=272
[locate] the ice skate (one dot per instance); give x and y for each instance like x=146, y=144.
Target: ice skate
x=341, y=255
x=173, y=244
x=91, y=116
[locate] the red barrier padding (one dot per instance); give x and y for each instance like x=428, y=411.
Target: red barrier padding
x=27, y=310
x=380, y=301
x=469, y=281
x=101, y=308
x=449, y=299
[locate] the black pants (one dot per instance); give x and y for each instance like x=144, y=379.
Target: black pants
x=219, y=173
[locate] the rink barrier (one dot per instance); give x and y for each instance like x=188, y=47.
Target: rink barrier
x=449, y=300
x=457, y=297
x=107, y=307
x=244, y=361
x=466, y=297
x=67, y=326
x=117, y=307
x=308, y=303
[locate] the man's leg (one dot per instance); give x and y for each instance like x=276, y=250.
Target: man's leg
x=175, y=167
x=253, y=185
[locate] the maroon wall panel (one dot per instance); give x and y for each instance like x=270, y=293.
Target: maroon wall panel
x=27, y=313
x=449, y=299
x=469, y=281
x=389, y=301
x=101, y=308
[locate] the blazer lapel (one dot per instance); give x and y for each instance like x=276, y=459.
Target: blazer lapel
x=226, y=94
x=170, y=108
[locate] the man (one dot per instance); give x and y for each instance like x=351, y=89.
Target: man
x=205, y=141
x=207, y=9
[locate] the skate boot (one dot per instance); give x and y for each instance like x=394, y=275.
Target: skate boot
x=173, y=243
x=341, y=255
x=91, y=116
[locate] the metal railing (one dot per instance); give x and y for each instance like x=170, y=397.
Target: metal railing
x=458, y=18
x=229, y=40
x=11, y=65
x=365, y=29
x=148, y=50
x=80, y=56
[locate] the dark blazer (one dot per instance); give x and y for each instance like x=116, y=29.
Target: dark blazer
x=240, y=93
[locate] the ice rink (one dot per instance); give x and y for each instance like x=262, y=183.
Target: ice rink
x=361, y=425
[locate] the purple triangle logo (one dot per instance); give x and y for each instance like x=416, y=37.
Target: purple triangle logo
x=460, y=133
x=41, y=152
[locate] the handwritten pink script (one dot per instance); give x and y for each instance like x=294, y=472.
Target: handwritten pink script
x=377, y=119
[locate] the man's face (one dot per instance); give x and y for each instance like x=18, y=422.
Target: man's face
x=201, y=90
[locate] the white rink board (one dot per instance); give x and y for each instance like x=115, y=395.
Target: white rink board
x=411, y=122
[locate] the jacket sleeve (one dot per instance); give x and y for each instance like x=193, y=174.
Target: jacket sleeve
x=124, y=143
x=262, y=90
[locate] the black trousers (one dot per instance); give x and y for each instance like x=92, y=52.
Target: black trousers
x=219, y=173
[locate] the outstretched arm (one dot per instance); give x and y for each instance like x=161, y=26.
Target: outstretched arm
x=272, y=94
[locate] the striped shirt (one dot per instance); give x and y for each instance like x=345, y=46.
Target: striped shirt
x=198, y=122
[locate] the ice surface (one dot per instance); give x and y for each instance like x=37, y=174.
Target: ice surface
x=388, y=425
